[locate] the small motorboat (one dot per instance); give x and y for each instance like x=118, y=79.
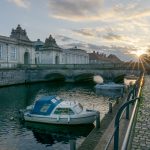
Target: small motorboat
x=131, y=77
x=110, y=89
x=130, y=80
x=53, y=110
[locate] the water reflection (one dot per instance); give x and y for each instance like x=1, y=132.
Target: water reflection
x=50, y=134
x=17, y=136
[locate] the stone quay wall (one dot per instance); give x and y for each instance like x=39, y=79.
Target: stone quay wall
x=69, y=73
x=19, y=76
x=12, y=76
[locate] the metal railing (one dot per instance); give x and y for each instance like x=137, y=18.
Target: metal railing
x=132, y=98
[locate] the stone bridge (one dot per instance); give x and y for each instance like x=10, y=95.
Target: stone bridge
x=75, y=73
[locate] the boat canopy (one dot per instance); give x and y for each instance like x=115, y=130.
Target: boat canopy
x=45, y=105
x=110, y=86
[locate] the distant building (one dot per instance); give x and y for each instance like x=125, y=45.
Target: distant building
x=98, y=58
x=113, y=58
x=19, y=49
x=75, y=56
x=16, y=49
x=50, y=53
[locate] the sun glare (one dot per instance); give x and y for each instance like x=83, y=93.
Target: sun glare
x=138, y=53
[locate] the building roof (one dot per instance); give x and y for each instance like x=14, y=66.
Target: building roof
x=77, y=49
x=38, y=43
x=102, y=57
x=50, y=44
x=19, y=34
x=113, y=58
x=18, y=37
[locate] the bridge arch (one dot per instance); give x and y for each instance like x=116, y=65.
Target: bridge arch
x=73, y=73
x=84, y=77
x=54, y=76
x=119, y=78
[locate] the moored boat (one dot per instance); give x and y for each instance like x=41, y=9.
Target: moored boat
x=53, y=110
x=131, y=77
x=110, y=89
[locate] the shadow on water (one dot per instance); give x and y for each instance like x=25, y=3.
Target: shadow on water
x=50, y=134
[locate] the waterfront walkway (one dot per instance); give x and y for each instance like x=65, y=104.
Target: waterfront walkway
x=94, y=137
x=141, y=139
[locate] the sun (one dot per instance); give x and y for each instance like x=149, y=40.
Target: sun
x=138, y=53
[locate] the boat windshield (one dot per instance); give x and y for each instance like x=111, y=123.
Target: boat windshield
x=78, y=108
x=63, y=111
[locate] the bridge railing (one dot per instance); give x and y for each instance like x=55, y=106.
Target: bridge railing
x=133, y=98
x=121, y=65
x=70, y=66
x=78, y=66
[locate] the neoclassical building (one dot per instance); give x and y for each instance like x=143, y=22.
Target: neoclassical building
x=50, y=53
x=19, y=49
x=16, y=49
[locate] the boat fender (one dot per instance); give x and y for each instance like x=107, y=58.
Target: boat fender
x=68, y=118
x=29, y=115
x=58, y=117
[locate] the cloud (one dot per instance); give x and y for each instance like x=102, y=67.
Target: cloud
x=89, y=10
x=143, y=13
x=75, y=10
x=102, y=35
x=111, y=36
x=21, y=3
x=63, y=38
x=91, y=32
x=85, y=32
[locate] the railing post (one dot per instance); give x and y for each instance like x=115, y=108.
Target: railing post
x=116, y=138
x=127, y=112
x=128, y=98
x=131, y=95
x=98, y=120
x=117, y=100
x=72, y=145
x=110, y=107
x=116, y=134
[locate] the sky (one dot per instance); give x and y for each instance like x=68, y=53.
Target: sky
x=119, y=27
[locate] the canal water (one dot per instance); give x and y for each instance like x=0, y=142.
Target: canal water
x=16, y=135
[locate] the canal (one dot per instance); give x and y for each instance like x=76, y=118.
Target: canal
x=15, y=135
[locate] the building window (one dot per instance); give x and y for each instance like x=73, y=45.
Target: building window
x=13, y=54
x=1, y=51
